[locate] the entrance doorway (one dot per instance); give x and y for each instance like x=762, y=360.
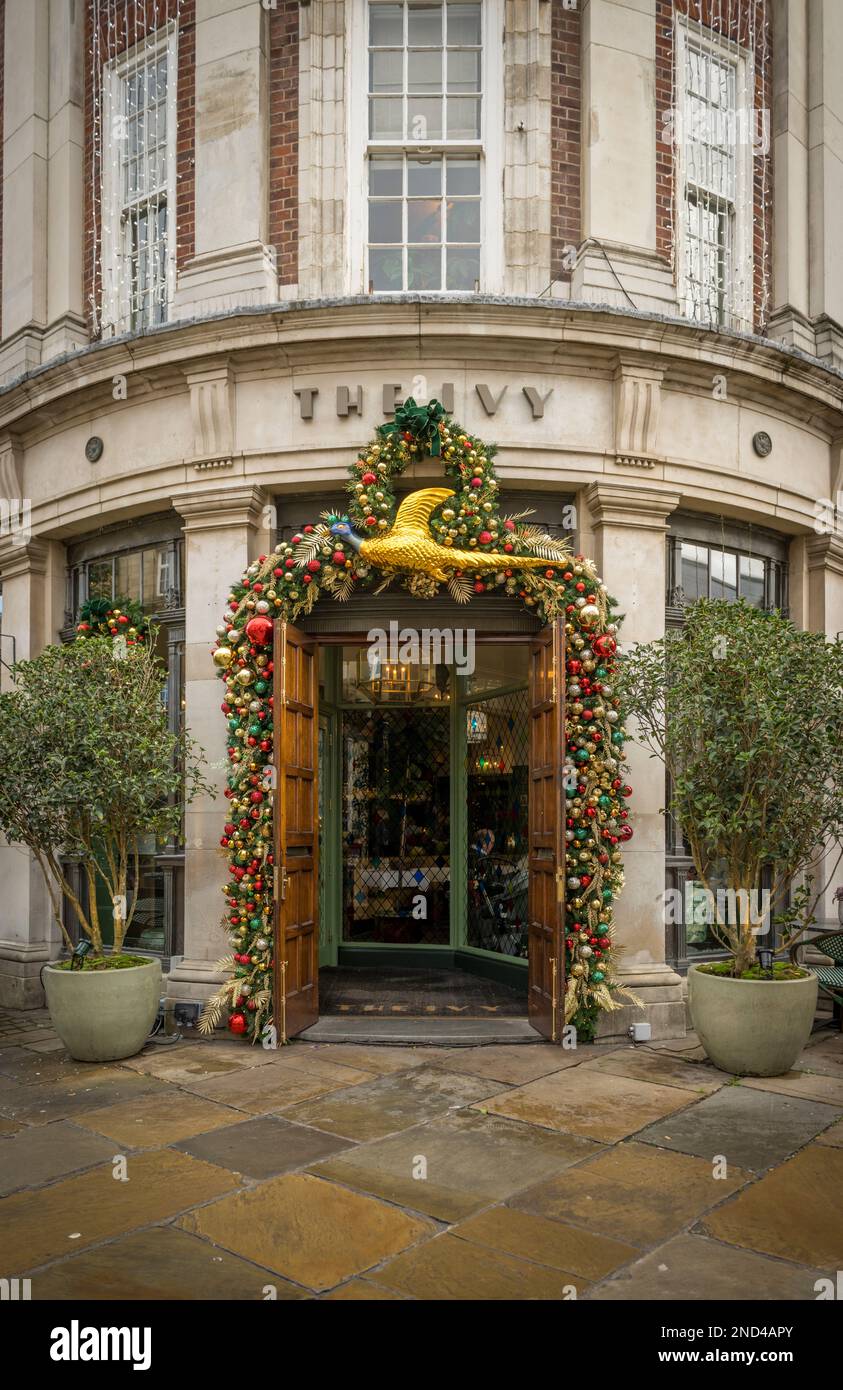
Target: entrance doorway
x=418, y=832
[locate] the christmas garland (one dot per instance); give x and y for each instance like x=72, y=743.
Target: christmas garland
x=107, y=617
x=317, y=563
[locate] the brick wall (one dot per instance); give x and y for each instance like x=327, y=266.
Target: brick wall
x=284, y=138
x=135, y=20
x=735, y=20
x=565, y=129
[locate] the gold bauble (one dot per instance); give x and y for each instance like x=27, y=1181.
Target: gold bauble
x=245, y=677
x=223, y=656
x=577, y=969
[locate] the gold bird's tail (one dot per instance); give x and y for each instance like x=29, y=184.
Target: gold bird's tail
x=474, y=562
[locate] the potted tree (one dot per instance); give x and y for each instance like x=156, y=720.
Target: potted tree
x=746, y=712
x=90, y=766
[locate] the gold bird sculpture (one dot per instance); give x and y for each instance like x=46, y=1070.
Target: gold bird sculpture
x=410, y=546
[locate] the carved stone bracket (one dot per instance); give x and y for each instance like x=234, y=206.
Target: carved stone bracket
x=212, y=415
x=637, y=409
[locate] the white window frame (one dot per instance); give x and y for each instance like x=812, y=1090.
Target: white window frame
x=739, y=296
x=115, y=308
x=490, y=148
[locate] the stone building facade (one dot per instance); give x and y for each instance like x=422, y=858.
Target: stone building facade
x=212, y=295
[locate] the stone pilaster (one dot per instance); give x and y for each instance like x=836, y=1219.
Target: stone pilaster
x=32, y=575
x=224, y=529
x=233, y=265
x=619, y=160
x=66, y=325
x=526, y=172
x=323, y=183
x=629, y=525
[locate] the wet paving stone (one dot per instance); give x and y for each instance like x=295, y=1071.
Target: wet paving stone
x=264, y=1147
x=546, y=1242
x=516, y=1065
x=690, y=1267
x=589, y=1102
x=632, y=1193
x=794, y=1211
x=392, y=1103
x=58, y=1100
x=807, y=1085
x=95, y=1206
x=161, y=1263
x=307, y=1230
x=662, y=1068
x=750, y=1128
x=265, y=1089
x=151, y=1121
x=40, y=1154
x=468, y=1161
x=449, y=1269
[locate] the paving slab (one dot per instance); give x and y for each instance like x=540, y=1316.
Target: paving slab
x=48, y=1045
x=663, y=1068
x=794, y=1211
x=546, y=1242
x=824, y=1056
x=263, y=1147
x=632, y=1193
x=450, y=1269
x=808, y=1085
x=37, y=1068
x=162, y=1263
x=392, y=1103
x=513, y=1065
x=307, y=1230
x=361, y=1291
x=381, y=1059
x=833, y=1135
x=263, y=1089
x=94, y=1206
x=749, y=1127
x=41, y=1105
x=152, y=1121
x=588, y=1102
x=38, y=1154
x=692, y=1267
x=183, y=1062
x=469, y=1159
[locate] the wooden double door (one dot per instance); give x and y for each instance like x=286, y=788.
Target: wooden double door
x=296, y=832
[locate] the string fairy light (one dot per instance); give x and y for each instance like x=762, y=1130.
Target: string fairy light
x=134, y=176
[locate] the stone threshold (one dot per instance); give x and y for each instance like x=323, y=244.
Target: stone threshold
x=440, y=1032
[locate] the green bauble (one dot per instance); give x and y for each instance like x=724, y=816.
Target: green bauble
x=607, y=895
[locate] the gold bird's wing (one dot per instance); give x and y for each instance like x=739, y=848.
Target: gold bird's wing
x=414, y=512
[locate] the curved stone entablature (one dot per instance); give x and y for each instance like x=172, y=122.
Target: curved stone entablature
x=575, y=393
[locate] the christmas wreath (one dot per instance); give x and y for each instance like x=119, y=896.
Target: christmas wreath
x=328, y=558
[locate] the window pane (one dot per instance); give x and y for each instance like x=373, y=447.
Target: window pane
x=424, y=24
x=694, y=575
x=385, y=71
x=463, y=71
x=463, y=221
x=127, y=576
x=385, y=118
x=100, y=580
x=385, y=221
x=424, y=176
x=385, y=270
x=464, y=24
x=724, y=575
x=424, y=220
x=464, y=118
x=424, y=71
x=424, y=269
x=463, y=268
x=752, y=579
x=424, y=118
x=385, y=176
x=463, y=174
x=386, y=25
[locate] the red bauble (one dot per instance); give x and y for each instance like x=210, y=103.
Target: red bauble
x=625, y=833
x=369, y=478
x=314, y=566
x=485, y=537
x=259, y=630
x=604, y=645
x=237, y=1024
x=338, y=557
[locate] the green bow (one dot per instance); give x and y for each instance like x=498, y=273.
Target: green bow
x=421, y=421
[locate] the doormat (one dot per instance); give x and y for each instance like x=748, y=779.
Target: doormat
x=386, y=992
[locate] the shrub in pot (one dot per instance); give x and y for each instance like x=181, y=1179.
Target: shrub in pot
x=91, y=766
x=746, y=712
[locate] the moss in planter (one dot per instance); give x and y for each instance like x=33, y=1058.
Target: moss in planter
x=782, y=970
x=106, y=962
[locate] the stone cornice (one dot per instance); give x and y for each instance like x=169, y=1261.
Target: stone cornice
x=217, y=509
x=643, y=508
x=333, y=332
x=30, y=558
x=825, y=553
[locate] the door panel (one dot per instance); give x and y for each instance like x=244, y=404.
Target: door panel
x=296, y=714
x=546, y=973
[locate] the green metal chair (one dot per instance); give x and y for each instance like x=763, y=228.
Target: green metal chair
x=829, y=977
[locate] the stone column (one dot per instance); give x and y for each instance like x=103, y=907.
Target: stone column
x=32, y=575
x=225, y=528
x=323, y=180
x=790, y=319
x=825, y=176
x=66, y=326
x=25, y=147
x=629, y=525
x=526, y=172
x=619, y=159
x=233, y=265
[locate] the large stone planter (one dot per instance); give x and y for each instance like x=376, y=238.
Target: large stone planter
x=103, y=1015
x=752, y=1027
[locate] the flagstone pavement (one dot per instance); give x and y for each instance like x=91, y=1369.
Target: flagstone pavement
x=215, y=1170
